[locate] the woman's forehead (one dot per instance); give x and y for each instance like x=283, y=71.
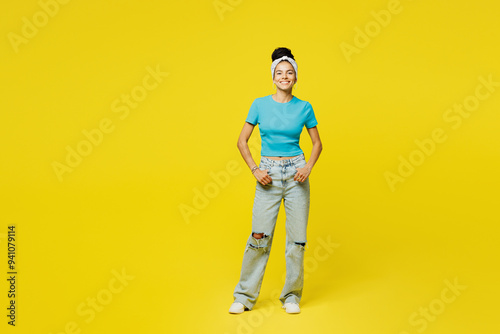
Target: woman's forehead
x=283, y=65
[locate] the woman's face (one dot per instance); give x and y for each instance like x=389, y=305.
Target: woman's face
x=284, y=76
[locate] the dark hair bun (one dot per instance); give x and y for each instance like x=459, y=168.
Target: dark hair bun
x=280, y=52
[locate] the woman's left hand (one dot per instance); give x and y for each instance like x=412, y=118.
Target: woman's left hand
x=302, y=174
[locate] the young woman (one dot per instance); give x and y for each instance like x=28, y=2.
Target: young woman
x=283, y=174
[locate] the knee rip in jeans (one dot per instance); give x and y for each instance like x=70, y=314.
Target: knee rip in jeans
x=303, y=244
x=258, y=245
x=257, y=235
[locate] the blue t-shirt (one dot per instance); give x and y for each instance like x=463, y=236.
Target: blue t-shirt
x=281, y=124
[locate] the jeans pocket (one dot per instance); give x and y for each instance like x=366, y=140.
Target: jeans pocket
x=264, y=166
x=300, y=164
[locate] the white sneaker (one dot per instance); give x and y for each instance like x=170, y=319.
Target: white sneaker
x=291, y=308
x=237, y=307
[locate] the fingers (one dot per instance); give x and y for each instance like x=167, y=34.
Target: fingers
x=265, y=179
x=300, y=177
x=264, y=182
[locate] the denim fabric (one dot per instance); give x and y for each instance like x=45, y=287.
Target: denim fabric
x=296, y=198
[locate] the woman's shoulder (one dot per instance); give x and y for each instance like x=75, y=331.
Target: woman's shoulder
x=302, y=103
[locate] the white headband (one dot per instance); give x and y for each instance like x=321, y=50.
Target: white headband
x=275, y=63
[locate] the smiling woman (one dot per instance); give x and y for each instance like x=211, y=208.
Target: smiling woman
x=283, y=175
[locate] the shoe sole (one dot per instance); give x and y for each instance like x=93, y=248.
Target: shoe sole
x=284, y=307
x=238, y=312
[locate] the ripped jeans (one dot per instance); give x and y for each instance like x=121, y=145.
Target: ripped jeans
x=296, y=198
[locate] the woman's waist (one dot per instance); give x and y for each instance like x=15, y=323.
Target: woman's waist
x=280, y=160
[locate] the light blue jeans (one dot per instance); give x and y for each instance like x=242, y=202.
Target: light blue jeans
x=296, y=198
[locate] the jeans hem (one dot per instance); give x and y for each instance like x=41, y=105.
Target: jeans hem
x=290, y=299
x=249, y=306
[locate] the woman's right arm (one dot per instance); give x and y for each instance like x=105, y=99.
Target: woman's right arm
x=246, y=132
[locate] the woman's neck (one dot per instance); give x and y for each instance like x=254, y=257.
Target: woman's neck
x=282, y=96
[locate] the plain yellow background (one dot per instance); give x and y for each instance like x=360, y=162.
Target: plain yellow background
x=391, y=251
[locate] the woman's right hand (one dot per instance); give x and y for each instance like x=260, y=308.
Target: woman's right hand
x=262, y=176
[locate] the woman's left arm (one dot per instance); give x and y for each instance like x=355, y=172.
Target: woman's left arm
x=317, y=147
x=303, y=173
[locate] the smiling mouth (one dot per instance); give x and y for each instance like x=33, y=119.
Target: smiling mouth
x=285, y=82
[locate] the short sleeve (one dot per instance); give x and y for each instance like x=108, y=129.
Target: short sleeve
x=310, y=117
x=253, y=113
